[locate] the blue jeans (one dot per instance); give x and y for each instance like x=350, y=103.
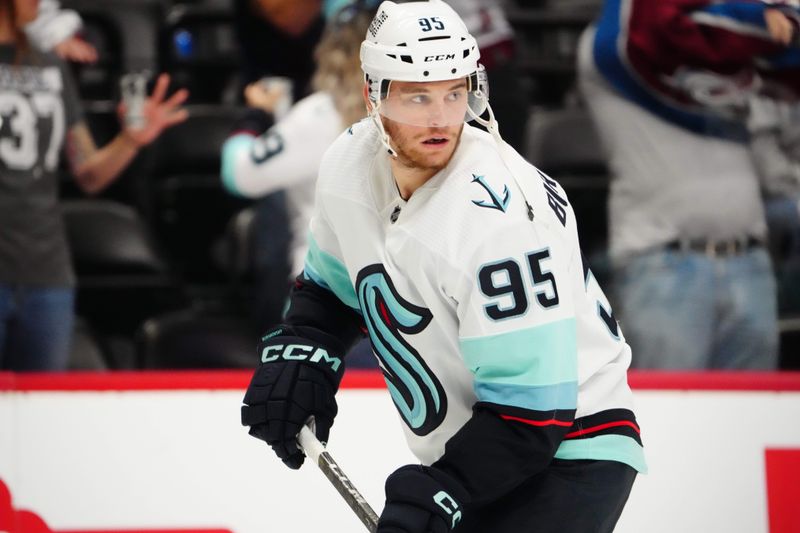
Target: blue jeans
x=686, y=311
x=35, y=327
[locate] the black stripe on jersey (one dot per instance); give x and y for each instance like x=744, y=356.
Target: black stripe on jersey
x=494, y=452
x=609, y=422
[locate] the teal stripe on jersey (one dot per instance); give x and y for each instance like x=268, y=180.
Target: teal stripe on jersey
x=544, y=355
x=231, y=150
x=327, y=271
x=541, y=398
x=605, y=448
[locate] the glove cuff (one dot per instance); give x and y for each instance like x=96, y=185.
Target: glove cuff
x=254, y=120
x=448, y=482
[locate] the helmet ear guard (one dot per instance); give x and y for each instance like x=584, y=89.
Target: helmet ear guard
x=478, y=92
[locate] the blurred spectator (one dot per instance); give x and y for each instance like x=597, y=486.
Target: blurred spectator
x=57, y=30
x=258, y=160
x=39, y=112
x=667, y=83
x=277, y=38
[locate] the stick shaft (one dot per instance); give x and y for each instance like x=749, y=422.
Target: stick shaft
x=316, y=452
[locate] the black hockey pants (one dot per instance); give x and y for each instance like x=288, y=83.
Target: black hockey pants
x=568, y=497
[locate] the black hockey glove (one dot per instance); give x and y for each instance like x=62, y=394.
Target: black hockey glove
x=255, y=120
x=421, y=499
x=298, y=377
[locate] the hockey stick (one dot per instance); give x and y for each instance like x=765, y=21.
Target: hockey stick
x=315, y=450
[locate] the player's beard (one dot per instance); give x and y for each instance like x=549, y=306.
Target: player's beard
x=411, y=156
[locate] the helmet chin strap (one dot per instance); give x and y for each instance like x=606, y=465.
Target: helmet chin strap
x=506, y=152
x=491, y=125
x=375, y=115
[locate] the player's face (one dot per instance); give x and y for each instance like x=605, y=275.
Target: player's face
x=429, y=104
x=423, y=148
x=424, y=121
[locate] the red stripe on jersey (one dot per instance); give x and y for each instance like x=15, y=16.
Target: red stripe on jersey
x=602, y=427
x=385, y=313
x=537, y=422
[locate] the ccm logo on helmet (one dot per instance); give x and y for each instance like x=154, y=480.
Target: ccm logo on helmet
x=440, y=57
x=298, y=352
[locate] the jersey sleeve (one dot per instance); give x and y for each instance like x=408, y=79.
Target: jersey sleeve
x=286, y=154
x=52, y=25
x=323, y=296
x=704, y=32
x=517, y=336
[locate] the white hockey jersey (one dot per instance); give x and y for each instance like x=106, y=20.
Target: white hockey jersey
x=472, y=295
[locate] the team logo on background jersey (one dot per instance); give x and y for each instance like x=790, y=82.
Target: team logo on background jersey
x=496, y=202
x=416, y=392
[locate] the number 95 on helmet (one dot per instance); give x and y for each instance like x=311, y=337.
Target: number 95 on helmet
x=422, y=42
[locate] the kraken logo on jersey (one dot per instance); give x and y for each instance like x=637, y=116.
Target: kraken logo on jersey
x=497, y=203
x=416, y=392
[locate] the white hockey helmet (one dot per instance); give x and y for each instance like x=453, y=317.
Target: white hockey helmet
x=423, y=41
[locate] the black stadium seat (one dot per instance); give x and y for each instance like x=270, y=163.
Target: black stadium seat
x=198, y=47
x=790, y=343
x=192, y=207
x=134, y=23
x=109, y=240
x=122, y=277
x=98, y=81
x=86, y=352
x=195, y=339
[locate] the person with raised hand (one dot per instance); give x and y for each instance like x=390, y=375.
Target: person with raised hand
x=40, y=114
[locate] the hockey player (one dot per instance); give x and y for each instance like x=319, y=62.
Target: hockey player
x=462, y=262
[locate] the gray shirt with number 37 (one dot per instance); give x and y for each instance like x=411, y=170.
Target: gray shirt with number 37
x=38, y=104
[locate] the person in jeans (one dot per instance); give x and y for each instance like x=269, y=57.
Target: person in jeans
x=667, y=84
x=41, y=113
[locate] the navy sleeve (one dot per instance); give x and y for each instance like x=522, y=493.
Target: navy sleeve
x=314, y=306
